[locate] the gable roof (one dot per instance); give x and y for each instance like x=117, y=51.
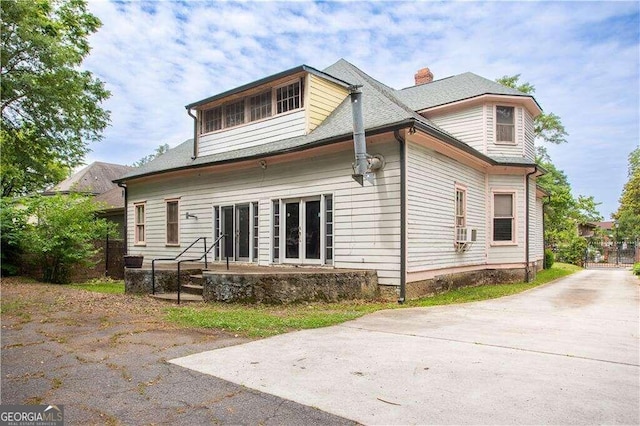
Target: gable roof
x=95, y=179
x=453, y=89
x=383, y=108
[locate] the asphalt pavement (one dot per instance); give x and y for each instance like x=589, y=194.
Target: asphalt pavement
x=564, y=353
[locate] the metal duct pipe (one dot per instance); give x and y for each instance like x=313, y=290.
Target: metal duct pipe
x=359, y=142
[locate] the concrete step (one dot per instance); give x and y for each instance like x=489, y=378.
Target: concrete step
x=196, y=279
x=192, y=289
x=173, y=297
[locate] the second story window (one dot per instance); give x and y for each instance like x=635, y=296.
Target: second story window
x=288, y=97
x=212, y=120
x=260, y=106
x=234, y=114
x=505, y=124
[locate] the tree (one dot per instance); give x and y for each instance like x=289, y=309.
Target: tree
x=547, y=127
x=50, y=107
x=628, y=214
x=159, y=151
x=60, y=233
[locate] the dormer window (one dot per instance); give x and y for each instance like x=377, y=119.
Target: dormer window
x=505, y=124
x=234, y=114
x=260, y=106
x=281, y=99
x=212, y=120
x=288, y=97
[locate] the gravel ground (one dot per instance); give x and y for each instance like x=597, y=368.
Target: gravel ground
x=104, y=356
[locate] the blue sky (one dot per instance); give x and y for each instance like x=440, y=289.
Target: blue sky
x=582, y=57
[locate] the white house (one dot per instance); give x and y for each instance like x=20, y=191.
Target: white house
x=448, y=188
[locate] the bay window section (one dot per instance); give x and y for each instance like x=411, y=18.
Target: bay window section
x=505, y=124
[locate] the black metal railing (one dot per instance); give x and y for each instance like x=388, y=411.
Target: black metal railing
x=177, y=257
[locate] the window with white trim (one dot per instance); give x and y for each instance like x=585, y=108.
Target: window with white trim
x=173, y=222
x=139, y=220
x=505, y=124
x=461, y=207
x=503, y=217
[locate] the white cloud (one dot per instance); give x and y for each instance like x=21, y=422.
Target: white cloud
x=583, y=59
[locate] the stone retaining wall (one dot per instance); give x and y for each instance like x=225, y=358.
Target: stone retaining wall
x=449, y=282
x=282, y=288
x=138, y=281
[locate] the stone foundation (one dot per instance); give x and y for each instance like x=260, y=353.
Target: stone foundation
x=282, y=288
x=138, y=281
x=449, y=282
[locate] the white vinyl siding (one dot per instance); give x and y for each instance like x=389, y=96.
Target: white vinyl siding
x=466, y=125
x=431, y=199
x=529, y=138
x=537, y=239
x=281, y=127
x=511, y=252
x=366, y=220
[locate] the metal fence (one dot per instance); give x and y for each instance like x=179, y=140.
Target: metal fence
x=607, y=253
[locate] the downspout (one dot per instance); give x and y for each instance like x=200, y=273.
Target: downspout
x=403, y=218
x=527, y=269
x=126, y=222
x=195, y=134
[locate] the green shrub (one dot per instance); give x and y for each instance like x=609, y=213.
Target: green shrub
x=636, y=269
x=60, y=233
x=573, y=251
x=549, y=258
x=13, y=221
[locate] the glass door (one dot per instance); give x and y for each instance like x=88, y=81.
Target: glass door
x=292, y=230
x=242, y=232
x=228, y=229
x=312, y=231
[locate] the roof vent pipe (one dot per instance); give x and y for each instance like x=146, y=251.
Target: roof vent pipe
x=365, y=164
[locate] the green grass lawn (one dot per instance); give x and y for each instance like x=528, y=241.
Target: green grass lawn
x=263, y=321
x=101, y=286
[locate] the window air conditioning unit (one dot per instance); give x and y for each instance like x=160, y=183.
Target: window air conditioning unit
x=465, y=235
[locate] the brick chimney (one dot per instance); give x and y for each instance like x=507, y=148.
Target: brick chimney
x=423, y=76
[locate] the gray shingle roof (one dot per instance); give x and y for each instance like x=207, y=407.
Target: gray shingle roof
x=96, y=178
x=452, y=89
x=382, y=107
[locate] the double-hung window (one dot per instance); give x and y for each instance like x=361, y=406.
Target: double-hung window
x=173, y=222
x=503, y=217
x=139, y=220
x=461, y=213
x=505, y=124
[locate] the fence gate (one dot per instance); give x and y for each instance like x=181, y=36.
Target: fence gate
x=605, y=253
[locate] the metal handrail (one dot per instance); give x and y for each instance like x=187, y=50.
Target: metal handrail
x=215, y=243
x=173, y=259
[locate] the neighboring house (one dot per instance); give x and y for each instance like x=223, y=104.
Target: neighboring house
x=97, y=179
x=448, y=190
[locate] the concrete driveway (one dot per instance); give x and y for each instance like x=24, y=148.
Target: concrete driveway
x=564, y=353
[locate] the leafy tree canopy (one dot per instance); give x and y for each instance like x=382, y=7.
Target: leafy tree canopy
x=628, y=214
x=158, y=152
x=548, y=127
x=50, y=107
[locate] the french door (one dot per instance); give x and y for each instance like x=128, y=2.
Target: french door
x=240, y=223
x=302, y=230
